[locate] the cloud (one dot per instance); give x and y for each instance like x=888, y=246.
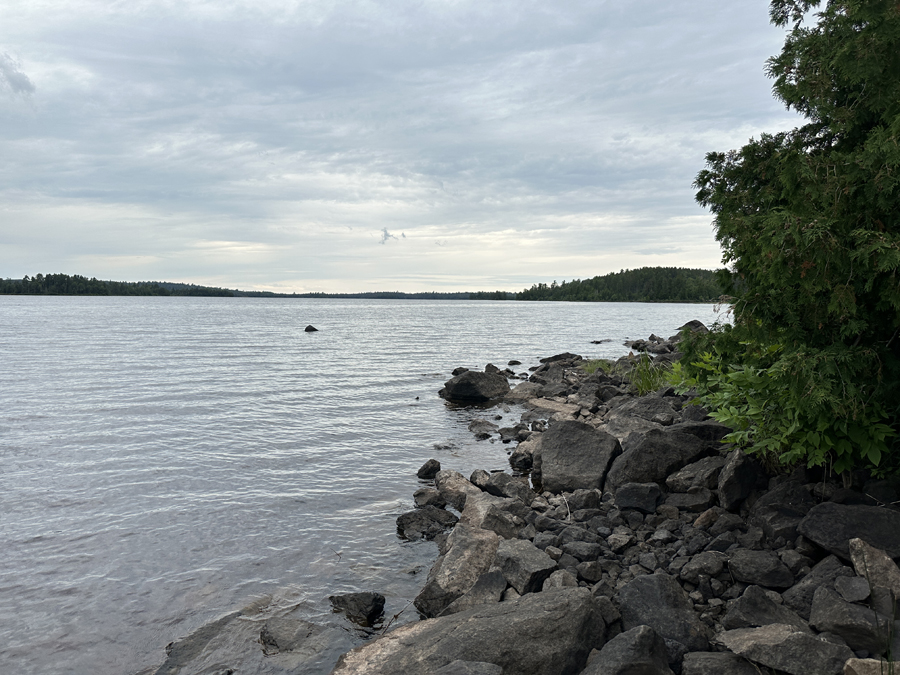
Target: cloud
x=385, y=235
x=12, y=77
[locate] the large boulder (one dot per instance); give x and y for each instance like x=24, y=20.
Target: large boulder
x=524, y=566
x=786, y=648
x=475, y=386
x=800, y=596
x=657, y=456
x=470, y=552
x=575, y=455
x=755, y=608
x=860, y=627
x=659, y=601
x=426, y=522
x=763, y=568
x=832, y=526
x=549, y=633
x=454, y=488
x=488, y=589
x=639, y=651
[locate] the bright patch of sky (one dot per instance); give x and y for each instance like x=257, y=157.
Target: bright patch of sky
x=353, y=145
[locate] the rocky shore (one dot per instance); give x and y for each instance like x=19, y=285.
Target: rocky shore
x=626, y=539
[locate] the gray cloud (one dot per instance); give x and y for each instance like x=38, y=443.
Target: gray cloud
x=12, y=77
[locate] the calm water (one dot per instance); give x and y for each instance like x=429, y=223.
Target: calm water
x=166, y=460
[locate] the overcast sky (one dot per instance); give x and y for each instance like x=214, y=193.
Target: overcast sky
x=331, y=145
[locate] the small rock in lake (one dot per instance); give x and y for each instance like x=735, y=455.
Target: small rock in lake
x=311, y=329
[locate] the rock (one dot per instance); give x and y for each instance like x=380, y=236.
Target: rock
x=787, y=649
x=503, y=485
x=645, y=407
x=643, y=497
x=800, y=596
x=763, y=568
x=717, y=663
x=695, y=500
x=524, y=391
x=454, y=488
x=428, y=497
x=874, y=565
x=548, y=633
x=832, y=526
x=706, y=430
x=487, y=589
x=575, y=455
x=860, y=627
x=694, y=326
x=522, y=458
x=738, y=477
x=473, y=386
x=709, y=563
x=470, y=553
x=659, y=601
x=460, y=667
x=560, y=579
x=546, y=407
x=429, y=469
x=703, y=473
x=779, y=511
x=311, y=329
x=488, y=512
x=622, y=426
x=870, y=667
x=362, y=608
x=639, y=651
x=755, y=608
x=852, y=589
x=524, y=566
x=655, y=458
x=426, y=522
x=482, y=429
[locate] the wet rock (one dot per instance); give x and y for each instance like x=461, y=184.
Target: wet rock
x=739, y=476
x=659, y=601
x=311, y=329
x=703, y=473
x=755, y=608
x=575, y=455
x=717, y=663
x=474, y=386
x=548, y=633
x=429, y=469
x=638, y=651
x=832, y=526
x=655, y=458
x=487, y=589
x=426, y=522
x=483, y=429
x=470, y=553
x=644, y=497
x=800, y=596
x=763, y=568
x=524, y=566
x=428, y=497
x=362, y=608
x=787, y=649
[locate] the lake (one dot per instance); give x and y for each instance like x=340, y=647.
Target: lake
x=166, y=460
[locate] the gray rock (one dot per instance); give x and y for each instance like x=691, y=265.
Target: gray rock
x=470, y=553
x=737, y=479
x=703, y=473
x=705, y=430
x=695, y=500
x=717, y=663
x=362, y=608
x=860, y=627
x=428, y=497
x=659, y=601
x=832, y=526
x=645, y=407
x=487, y=589
x=524, y=391
x=852, y=589
x=583, y=550
x=522, y=458
x=800, y=596
x=881, y=575
x=638, y=651
x=524, y=566
x=779, y=511
x=871, y=667
x=426, y=522
x=575, y=455
x=755, y=608
x=459, y=667
x=548, y=633
x=643, y=497
x=763, y=568
x=503, y=485
x=429, y=469
x=473, y=386
x=709, y=563
x=787, y=649
x=483, y=429
x=560, y=579
x=655, y=458
x=454, y=488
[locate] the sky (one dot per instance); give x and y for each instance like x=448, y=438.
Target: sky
x=363, y=145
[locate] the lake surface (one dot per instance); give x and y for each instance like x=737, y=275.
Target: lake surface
x=164, y=461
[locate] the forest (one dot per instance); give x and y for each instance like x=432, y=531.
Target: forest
x=647, y=284
x=64, y=284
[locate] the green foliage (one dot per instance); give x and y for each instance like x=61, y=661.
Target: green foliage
x=591, y=366
x=809, y=222
x=63, y=284
x=648, y=284
x=646, y=376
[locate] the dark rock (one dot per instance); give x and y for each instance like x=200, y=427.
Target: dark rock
x=575, y=455
x=426, y=522
x=703, y=474
x=800, y=596
x=763, y=568
x=694, y=326
x=503, y=485
x=479, y=478
x=469, y=554
x=565, y=356
x=787, y=649
x=717, y=663
x=638, y=651
x=709, y=563
x=695, y=500
x=659, y=601
x=475, y=386
x=311, y=329
x=779, y=511
x=655, y=458
x=524, y=391
x=738, y=478
x=428, y=497
x=487, y=589
x=482, y=429
x=548, y=633
x=524, y=566
x=709, y=430
x=644, y=497
x=460, y=667
x=429, y=469
x=832, y=526
x=860, y=627
x=362, y=608
x=583, y=550
x=694, y=413
x=755, y=608
x=459, y=371
x=852, y=589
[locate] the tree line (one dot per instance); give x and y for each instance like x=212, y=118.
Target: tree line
x=64, y=284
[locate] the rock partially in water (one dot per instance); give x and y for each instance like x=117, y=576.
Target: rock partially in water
x=364, y=608
x=311, y=329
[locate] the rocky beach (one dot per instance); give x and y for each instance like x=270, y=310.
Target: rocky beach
x=625, y=538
